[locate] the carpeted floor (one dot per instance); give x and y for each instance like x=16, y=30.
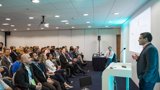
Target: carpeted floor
x=97, y=81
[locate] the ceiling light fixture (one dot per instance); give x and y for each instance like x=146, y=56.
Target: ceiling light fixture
x=85, y=14
x=73, y=27
x=5, y=24
x=12, y=25
x=29, y=25
x=2, y=29
x=31, y=17
x=28, y=28
x=116, y=13
x=0, y=5
x=57, y=16
x=15, y=29
x=35, y=1
x=89, y=26
x=46, y=25
x=8, y=19
x=57, y=27
x=64, y=21
x=88, y=22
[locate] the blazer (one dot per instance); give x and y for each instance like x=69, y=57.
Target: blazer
x=147, y=64
x=13, y=55
x=5, y=62
x=21, y=79
x=63, y=60
x=39, y=74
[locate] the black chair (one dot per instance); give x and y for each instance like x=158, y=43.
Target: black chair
x=85, y=82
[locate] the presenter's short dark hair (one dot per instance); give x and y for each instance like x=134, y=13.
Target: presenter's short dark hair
x=147, y=35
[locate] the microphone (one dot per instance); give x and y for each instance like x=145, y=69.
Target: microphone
x=122, y=50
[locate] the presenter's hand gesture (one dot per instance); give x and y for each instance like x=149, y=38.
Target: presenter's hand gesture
x=135, y=56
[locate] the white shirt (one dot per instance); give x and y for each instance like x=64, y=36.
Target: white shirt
x=50, y=66
x=109, y=54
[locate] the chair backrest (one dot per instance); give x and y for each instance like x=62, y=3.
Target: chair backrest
x=114, y=59
x=85, y=81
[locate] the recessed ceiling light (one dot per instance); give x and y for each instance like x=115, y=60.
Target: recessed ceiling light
x=116, y=13
x=5, y=24
x=8, y=19
x=64, y=21
x=106, y=26
x=89, y=26
x=31, y=17
x=12, y=25
x=57, y=16
x=46, y=25
x=35, y=1
x=85, y=14
x=28, y=28
x=0, y=5
x=2, y=29
x=29, y=25
x=57, y=27
x=15, y=29
x=88, y=22
x=42, y=28
x=73, y=27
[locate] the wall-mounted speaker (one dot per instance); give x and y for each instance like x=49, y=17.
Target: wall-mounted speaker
x=99, y=38
x=7, y=33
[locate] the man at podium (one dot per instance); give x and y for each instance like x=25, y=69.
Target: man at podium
x=147, y=63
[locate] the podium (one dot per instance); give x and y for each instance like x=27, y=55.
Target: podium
x=116, y=69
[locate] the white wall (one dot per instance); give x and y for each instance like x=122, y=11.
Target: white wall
x=2, y=37
x=155, y=30
x=86, y=39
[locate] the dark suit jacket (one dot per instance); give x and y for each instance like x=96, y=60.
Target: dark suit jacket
x=39, y=74
x=63, y=61
x=21, y=79
x=5, y=62
x=13, y=55
x=147, y=64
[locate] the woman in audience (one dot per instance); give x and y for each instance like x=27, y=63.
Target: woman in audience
x=56, y=72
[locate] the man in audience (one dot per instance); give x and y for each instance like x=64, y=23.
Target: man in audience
x=13, y=53
x=42, y=76
x=6, y=59
x=24, y=77
x=1, y=46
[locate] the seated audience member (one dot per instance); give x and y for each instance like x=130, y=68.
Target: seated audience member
x=3, y=85
x=1, y=46
x=13, y=53
x=24, y=78
x=6, y=59
x=16, y=65
x=66, y=63
x=56, y=72
x=42, y=76
x=1, y=55
x=109, y=55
